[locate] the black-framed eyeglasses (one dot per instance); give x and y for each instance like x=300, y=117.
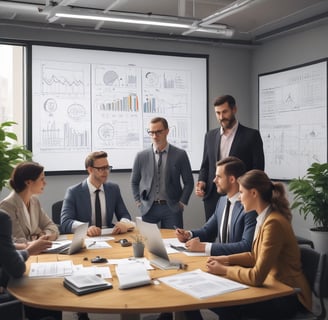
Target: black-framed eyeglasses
x=155, y=133
x=104, y=168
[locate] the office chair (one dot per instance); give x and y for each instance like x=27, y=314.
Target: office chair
x=314, y=268
x=55, y=211
x=313, y=265
x=305, y=241
x=10, y=307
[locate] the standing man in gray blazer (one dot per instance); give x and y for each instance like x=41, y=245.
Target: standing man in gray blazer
x=230, y=139
x=156, y=179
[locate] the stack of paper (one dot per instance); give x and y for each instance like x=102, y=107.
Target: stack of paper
x=82, y=284
x=132, y=275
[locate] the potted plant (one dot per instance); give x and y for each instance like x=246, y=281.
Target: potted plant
x=10, y=152
x=138, y=245
x=311, y=198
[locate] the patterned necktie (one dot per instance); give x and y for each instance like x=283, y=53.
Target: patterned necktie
x=98, y=209
x=225, y=222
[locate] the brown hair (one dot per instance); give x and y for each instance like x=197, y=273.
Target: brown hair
x=162, y=120
x=90, y=159
x=24, y=171
x=223, y=99
x=233, y=166
x=271, y=192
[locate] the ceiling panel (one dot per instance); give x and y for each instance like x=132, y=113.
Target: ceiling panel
x=252, y=20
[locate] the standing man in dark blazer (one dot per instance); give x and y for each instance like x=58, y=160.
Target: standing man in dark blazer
x=79, y=204
x=230, y=139
x=156, y=179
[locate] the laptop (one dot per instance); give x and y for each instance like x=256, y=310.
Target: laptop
x=155, y=245
x=71, y=247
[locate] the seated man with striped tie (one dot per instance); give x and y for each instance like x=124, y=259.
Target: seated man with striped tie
x=229, y=230
x=95, y=200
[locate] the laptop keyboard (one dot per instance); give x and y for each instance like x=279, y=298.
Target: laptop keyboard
x=164, y=264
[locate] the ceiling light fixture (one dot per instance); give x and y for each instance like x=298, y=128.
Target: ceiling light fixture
x=123, y=20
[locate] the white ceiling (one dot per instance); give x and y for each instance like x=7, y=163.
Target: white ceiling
x=253, y=22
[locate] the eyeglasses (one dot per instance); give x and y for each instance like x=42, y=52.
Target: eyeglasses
x=155, y=133
x=104, y=168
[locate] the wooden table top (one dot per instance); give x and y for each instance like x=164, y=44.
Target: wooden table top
x=50, y=293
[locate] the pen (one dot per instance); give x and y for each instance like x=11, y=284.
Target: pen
x=176, y=228
x=92, y=244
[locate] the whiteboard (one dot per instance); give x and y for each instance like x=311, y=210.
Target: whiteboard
x=293, y=119
x=85, y=100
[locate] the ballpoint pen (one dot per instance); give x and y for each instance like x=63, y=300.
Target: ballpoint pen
x=92, y=244
x=176, y=228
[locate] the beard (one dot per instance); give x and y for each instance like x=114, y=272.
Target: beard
x=228, y=123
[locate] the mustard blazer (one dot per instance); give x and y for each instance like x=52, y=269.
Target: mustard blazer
x=275, y=252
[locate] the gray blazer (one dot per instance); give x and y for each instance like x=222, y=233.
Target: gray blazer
x=177, y=168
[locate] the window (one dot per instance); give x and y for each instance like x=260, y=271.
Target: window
x=12, y=85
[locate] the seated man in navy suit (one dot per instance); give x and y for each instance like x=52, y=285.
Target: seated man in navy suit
x=227, y=231
x=95, y=201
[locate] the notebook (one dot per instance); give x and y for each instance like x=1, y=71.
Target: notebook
x=81, y=285
x=71, y=247
x=155, y=245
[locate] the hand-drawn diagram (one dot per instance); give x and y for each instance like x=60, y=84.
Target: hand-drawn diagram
x=293, y=119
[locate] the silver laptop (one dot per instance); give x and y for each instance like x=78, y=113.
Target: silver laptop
x=155, y=245
x=71, y=247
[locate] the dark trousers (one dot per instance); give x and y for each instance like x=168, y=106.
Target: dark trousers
x=280, y=308
x=210, y=203
x=164, y=216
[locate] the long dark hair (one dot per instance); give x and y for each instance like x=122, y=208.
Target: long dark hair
x=271, y=192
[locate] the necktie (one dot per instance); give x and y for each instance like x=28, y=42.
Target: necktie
x=160, y=155
x=98, y=209
x=225, y=222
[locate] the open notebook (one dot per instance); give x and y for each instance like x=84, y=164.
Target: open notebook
x=155, y=245
x=71, y=247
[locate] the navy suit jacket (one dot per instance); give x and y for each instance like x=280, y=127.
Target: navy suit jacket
x=241, y=232
x=11, y=261
x=177, y=168
x=77, y=205
x=247, y=146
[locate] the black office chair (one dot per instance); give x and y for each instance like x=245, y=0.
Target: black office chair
x=10, y=307
x=55, y=211
x=314, y=268
x=305, y=241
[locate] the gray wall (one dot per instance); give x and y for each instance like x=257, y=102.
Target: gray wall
x=232, y=69
x=292, y=50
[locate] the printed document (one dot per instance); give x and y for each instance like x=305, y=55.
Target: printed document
x=202, y=285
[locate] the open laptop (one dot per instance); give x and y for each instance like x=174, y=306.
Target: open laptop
x=155, y=245
x=71, y=247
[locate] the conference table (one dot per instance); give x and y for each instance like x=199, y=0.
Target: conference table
x=49, y=293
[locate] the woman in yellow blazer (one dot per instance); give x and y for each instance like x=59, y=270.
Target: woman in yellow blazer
x=275, y=252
